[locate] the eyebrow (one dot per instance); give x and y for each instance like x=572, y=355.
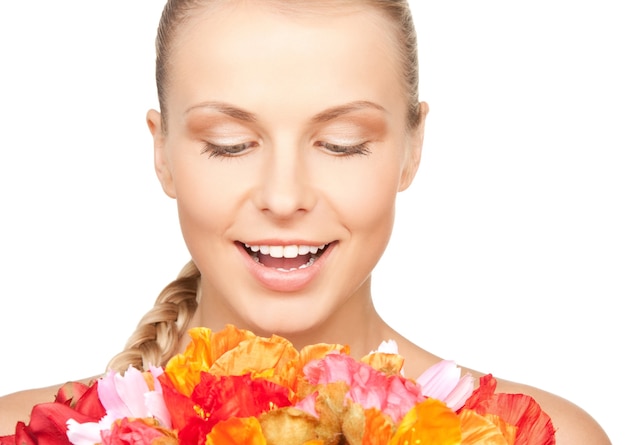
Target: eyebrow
x=227, y=109
x=324, y=116
x=335, y=112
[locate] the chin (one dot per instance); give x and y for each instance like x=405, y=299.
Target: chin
x=289, y=326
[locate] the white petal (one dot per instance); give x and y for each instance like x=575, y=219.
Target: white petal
x=388, y=347
x=83, y=433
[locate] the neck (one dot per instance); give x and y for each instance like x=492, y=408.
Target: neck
x=355, y=323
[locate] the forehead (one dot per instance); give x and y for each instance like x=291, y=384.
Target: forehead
x=252, y=52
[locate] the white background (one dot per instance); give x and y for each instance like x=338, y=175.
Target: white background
x=509, y=254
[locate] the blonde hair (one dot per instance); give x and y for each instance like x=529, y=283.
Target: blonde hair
x=159, y=332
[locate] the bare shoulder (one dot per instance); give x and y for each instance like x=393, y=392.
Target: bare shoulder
x=17, y=406
x=573, y=425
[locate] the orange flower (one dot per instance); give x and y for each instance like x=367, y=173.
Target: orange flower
x=237, y=431
x=269, y=358
x=318, y=351
x=477, y=429
x=430, y=422
x=390, y=364
x=233, y=351
x=203, y=350
x=378, y=428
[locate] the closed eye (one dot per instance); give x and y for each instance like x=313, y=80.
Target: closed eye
x=227, y=151
x=345, y=150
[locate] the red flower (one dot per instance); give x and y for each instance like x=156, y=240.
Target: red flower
x=217, y=398
x=533, y=425
x=48, y=420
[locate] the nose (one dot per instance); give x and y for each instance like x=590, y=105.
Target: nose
x=284, y=188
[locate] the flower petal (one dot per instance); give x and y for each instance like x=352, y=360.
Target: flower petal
x=378, y=428
x=429, y=423
x=110, y=398
x=480, y=430
x=237, y=431
x=520, y=410
x=132, y=388
x=87, y=433
x=443, y=381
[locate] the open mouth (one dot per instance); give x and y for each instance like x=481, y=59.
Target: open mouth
x=285, y=258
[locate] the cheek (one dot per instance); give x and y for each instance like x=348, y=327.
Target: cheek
x=365, y=197
x=206, y=197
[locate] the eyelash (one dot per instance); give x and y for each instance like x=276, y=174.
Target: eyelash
x=345, y=150
x=226, y=151
x=231, y=151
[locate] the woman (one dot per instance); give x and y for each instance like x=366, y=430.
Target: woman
x=286, y=130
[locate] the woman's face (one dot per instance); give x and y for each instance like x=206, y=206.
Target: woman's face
x=285, y=147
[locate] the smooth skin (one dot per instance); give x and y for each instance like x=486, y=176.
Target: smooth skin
x=293, y=130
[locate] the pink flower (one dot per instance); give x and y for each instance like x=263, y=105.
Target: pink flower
x=130, y=396
x=307, y=404
x=131, y=432
x=122, y=396
x=443, y=382
x=393, y=395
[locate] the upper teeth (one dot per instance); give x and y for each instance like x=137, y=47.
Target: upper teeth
x=291, y=251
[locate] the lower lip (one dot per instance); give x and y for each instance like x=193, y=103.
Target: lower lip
x=284, y=281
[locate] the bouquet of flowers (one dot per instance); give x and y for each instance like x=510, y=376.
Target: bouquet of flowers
x=233, y=387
